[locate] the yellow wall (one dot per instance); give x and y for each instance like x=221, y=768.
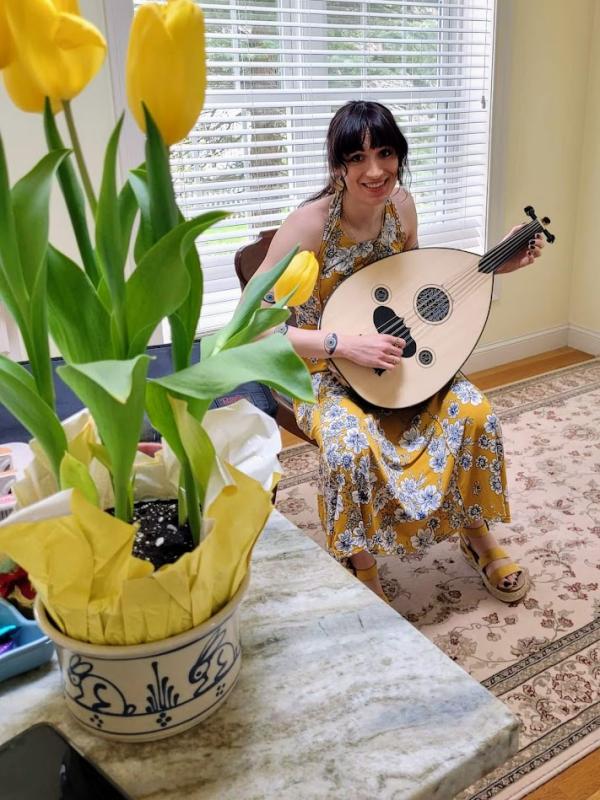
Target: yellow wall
x=546, y=136
x=585, y=288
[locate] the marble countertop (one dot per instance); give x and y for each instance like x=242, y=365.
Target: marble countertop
x=339, y=697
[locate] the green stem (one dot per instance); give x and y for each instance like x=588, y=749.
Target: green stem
x=74, y=199
x=122, y=501
x=85, y=176
x=192, y=502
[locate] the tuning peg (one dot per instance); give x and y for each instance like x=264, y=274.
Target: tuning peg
x=546, y=220
x=529, y=210
x=550, y=237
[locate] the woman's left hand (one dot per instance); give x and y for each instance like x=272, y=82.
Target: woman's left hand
x=526, y=256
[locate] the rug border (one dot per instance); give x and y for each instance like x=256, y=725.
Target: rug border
x=524, y=381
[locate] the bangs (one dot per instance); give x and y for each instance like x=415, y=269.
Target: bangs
x=346, y=135
x=366, y=119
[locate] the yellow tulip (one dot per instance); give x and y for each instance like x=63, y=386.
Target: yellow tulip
x=58, y=52
x=301, y=275
x=6, y=43
x=166, y=68
x=23, y=91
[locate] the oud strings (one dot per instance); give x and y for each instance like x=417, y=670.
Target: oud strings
x=461, y=287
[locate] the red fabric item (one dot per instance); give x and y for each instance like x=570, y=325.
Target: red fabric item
x=16, y=582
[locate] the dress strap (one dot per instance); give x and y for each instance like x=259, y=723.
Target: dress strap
x=391, y=212
x=333, y=217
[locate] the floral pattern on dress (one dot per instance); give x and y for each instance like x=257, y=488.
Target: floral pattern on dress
x=395, y=482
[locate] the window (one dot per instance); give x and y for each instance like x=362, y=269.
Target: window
x=278, y=69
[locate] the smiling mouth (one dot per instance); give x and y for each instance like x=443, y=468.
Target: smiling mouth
x=375, y=186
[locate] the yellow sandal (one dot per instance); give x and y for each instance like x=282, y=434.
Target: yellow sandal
x=369, y=574
x=480, y=561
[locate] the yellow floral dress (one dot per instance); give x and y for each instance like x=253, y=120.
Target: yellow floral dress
x=395, y=482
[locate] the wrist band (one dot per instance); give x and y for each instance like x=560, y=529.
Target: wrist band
x=330, y=342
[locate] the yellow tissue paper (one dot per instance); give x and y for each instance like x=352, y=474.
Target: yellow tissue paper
x=79, y=561
x=79, y=558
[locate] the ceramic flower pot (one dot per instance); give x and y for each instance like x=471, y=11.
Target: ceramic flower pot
x=144, y=692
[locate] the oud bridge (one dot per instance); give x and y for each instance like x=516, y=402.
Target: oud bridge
x=387, y=321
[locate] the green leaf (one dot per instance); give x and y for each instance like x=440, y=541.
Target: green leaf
x=104, y=295
x=114, y=393
x=75, y=475
x=138, y=180
x=12, y=284
x=198, y=446
x=162, y=418
x=109, y=237
x=160, y=283
x=271, y=360
x=39, y=346
x=74, y=199
x=262, y=320
x=184, y=321
x=127, y=210
x=101, y=453
x=30, y=201
x=180, y=347
x=79, y=323
x=164, y=213
x=19, y=394
x=251, y=299
x=113, y=377
x=30, y=198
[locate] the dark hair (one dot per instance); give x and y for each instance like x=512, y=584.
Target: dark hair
x=346, y=135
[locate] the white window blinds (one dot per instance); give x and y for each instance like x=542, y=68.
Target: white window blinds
x=277, y=71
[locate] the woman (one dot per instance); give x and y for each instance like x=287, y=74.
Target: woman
x=391, y=482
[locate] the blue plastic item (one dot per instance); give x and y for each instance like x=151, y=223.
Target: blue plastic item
x=32, y=648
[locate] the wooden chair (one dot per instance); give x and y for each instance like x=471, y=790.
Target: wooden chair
x=247, y=260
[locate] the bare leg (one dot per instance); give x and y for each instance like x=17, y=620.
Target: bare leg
x=364, y=560
x=483, y=543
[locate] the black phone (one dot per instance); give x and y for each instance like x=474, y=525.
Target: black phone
x=41, y=763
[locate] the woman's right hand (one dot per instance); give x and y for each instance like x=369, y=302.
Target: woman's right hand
x=377, y=350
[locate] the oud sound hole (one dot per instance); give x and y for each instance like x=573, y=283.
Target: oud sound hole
x=433, y=304
x=425, y=357
x=381, y=294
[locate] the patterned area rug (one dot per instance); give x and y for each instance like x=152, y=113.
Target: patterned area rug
x=540, y=656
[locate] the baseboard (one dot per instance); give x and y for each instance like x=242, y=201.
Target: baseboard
x=584, y=339
x=494, y=355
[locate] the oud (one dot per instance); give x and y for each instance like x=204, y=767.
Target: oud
x=437, y=299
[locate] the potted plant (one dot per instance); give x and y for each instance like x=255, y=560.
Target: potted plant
x=146, y=649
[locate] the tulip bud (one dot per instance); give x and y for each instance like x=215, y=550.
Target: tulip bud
x=301, y=275
x=166, y=69
x=6, y=43
x=58, y=51
x=23, y=91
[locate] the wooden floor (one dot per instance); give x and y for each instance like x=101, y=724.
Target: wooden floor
x=582, y=780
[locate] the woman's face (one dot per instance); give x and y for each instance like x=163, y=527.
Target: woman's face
x=371, y=173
